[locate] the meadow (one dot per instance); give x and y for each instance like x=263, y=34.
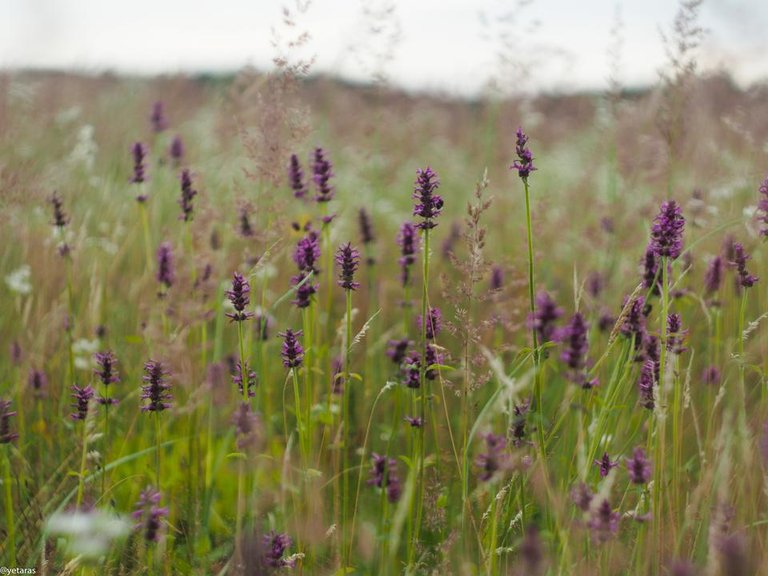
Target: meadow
x=282, y=325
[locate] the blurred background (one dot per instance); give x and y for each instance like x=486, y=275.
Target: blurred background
x=456, y=47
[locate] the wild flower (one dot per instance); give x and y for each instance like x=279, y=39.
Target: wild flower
x=292, y=352
x=711, y=375
x=139, y=152
x=713, y=276
x=240, y=297
x=307, y=253
x=237, y=378
x=524, y=163
x=304, y=291
x=532, y=552
x=60, y=218
x=573, y=336
x=494, y=459
x=157, y=118
x=246, y=423
x=414, y=421
x=383, y=474
x=634, y=322
x=366, y=227
x=411, y=369
x=37, y=382
x=107, y=373
x=322, y=172
x=605, y=464
x=397, y=349
x=276, y=545
x=296, y=177
x=428, y=204
x=348, y=259
x=646, y=384
x=543, y=319
x=149, y=515
x=155, y=389
x=187, y=196
x=667, y=231
x=497, y=278
x=176, y=151
x=581, y=496
x=651, y=273
x=603, y=522
x=82, y=396
x=434, y=322
x=675, y=334
x=740, y=259
x=6, y=434
x=639, y=466
x=20, y=280
x=519, y=420
x=409, y=243
x=166, y=274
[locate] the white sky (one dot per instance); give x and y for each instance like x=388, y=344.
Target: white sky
x=443, y=43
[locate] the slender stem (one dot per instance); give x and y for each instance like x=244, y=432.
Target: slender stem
x=10, y=520
x=346, y=431
x=81, y=477
x=156, y=417
x=147, y=235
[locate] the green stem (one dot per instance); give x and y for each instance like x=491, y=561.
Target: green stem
x=532, y=302
x=346, y=432
x=81, y=477
x=11, y=543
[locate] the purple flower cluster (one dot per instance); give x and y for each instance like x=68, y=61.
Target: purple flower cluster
x=292, y=352
x=250, y=377
x=575, y=347
x=675, y=334
x=411, y=368
x=165, y=269
x=667, y=231
x=434, y=323
x=383, y=475
x=276, y=545
x=307, y=253
x=428, y=204
x=397, y=349
x=409, y=243
x=524, y=163
x=348, y=259
x=246, y=423
x=633, y=325
x=157, y=118
x=60, y=218
x=240, y=297
x=646, y=384
x=322, y=172
x=82, y=397
x=762, y=207
x=107, y=373
x=187, y=195
x=545, y=315
x=495, y=459
x=605, y=465
x=713, y=276
x=176, y=151
x=604, y=522
x=139, y=152
x=639, y=467
x=740, y=259
x=155, y=389
x=519, y=419
x=651, y=272
x=296, y=177
x=149, y=515
x=38, y=382
x=366, y=227
x=6, y=434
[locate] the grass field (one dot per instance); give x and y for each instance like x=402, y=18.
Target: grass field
x=202, y=376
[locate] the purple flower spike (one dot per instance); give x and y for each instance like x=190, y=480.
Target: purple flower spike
x=155, y=389
x=524, y=163
x=322, y=172
x=165, y=269
x=409, y=243
x=187, y=195
x=107, y=368
x=520, y=417
x=646, y=384
x=713, y=277
x=634, y=322
x=306, y=289
x=667, y=231
x=582, y=495
x=434, y=323
x=366, y=228
x=639, y=467
x=292, y=353
x=428, y=204
x=675, y=334
x=543, y=319
x=82, y=397
x=176, y=151
x=711, y=375
x=240, y=297
x=246, y=423
x=762, y=207
x=149, y=515
x=605, y=465
x=296, y=178
x=411, y=368
x=651, y=273
x=348, y=259
x=307, y=253
x=740, y=258
x=494, y=459
x=157, y=118
x=414, y=421
x=139, y=169
x=575, y=348
x=276, y=545
x=383, y=475
x=6, y=435
x=397, y=349
x=604, y=522
x=237, y=378
x=38, y=382
x=60, y=218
